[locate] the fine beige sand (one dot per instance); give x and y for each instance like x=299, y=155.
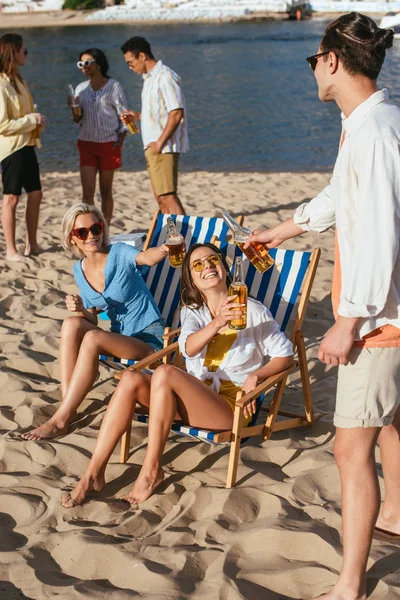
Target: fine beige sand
x=276, y=535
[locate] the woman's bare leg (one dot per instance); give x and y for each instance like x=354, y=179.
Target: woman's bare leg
x=32, y=220
x=134, y=387
x=95, y=342
x=88, y=181
x=175, y=390
x=73, y=331
x=107, y=201
x=8, y=222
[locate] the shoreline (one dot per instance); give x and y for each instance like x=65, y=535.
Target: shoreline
x=67, y=18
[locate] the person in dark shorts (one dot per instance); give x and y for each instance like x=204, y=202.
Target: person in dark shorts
x=20, y=128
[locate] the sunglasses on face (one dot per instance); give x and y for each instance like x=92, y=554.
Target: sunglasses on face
x=85, y=63
x=200, y=264
x=82, y=233
x=25, y=51
x=313, y=60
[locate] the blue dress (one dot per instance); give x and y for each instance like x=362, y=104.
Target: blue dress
x=126, y=299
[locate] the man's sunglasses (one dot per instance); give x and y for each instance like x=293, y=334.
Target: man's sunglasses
x=82, y=233
x=313, y=60
x=85, y=63
x=200, y=264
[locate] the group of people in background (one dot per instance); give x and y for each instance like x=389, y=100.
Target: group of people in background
x=362, y=201
x=103, y=120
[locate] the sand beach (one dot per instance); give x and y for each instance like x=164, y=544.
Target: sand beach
x=275, y=536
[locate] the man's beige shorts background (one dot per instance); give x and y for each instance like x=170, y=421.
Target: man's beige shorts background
x=163, y=171
x=368, y=388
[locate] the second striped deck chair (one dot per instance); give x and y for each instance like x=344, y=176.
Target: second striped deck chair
x=285, y=289
x=163, y=280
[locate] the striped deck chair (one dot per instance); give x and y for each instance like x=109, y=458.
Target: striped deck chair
x=163, y=280
x=285, y=290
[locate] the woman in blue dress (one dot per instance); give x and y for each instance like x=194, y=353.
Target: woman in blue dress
x=109, y=279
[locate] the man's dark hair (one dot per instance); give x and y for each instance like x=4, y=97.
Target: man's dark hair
x=359, y=43
x=136, y=45
x=100, y=58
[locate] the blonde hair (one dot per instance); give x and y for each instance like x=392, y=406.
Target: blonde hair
x=68, y=223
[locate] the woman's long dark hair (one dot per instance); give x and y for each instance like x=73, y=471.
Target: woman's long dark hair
x=190, y=295
x=10, y=45
x=100, y=58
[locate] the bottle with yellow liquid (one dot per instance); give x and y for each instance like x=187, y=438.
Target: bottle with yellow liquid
x=257, y=253
x=36, y=132
x=239, y=289
x=132, y=127
x=75, y=107
x=175, y=243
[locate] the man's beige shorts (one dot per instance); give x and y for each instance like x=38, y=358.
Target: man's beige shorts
x=163, y=171
x=368, y=388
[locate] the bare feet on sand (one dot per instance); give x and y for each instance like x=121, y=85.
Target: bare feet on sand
x=15, y=257
x=33, y=250
x=78, y=495
x=46, y=431
x=389, y=525
x=144, y=486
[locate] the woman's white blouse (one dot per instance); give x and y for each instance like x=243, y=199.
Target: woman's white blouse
x=260, y=340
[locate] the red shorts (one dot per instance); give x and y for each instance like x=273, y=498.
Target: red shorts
x=99, y=154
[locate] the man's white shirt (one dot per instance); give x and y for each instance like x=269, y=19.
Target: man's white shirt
x=161, y=94
x=363, y=199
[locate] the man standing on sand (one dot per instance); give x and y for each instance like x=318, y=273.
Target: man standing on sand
x=163, y=122
x=363, y=200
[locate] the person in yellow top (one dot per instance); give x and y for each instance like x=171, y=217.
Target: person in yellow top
x=20, y=128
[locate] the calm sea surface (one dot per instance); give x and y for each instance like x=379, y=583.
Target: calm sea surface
x=251, y=98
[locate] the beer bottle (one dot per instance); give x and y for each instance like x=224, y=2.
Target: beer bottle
x=175, y=243
x=76, y=109
x=36, y=132
x=132, y=127
x=257, y=253
x=238, y=288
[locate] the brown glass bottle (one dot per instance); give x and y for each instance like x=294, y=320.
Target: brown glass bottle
x=239, y=289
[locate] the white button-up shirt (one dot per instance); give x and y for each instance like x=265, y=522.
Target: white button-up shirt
x=363, y=199
x=261, y=339
x=161, y=94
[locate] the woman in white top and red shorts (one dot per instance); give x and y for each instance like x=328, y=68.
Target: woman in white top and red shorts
x=101, y=132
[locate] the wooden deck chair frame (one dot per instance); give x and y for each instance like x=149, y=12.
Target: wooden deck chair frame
x=171, y=354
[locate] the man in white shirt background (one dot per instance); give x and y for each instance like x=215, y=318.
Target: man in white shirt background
x=163, y=122
x=363, y=200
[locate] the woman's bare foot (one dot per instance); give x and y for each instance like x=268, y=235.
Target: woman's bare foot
x=33, y=250
x=390, y=525
x=15, y=257
x=48, y=430
x=87, y=484
x=144, y=486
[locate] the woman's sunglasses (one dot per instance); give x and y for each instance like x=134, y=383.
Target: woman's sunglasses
x=313, y=60
x=82, y=233
x=25, y=51
x=85, y=63
x=200, y=264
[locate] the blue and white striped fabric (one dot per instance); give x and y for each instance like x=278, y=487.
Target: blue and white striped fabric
x=163, y=280
x=279, y=287
x=193, y=432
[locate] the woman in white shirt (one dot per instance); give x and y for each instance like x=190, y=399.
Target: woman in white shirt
x=219, y=361
x=101, y=133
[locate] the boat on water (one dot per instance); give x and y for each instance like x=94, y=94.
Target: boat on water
x=391, y=21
